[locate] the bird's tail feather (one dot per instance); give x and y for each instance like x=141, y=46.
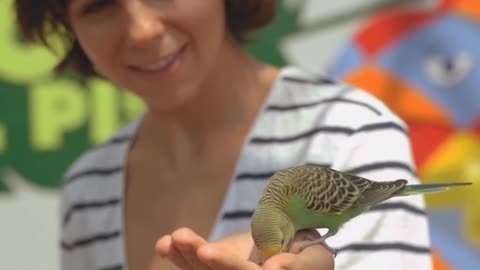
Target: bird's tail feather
x=429, y=188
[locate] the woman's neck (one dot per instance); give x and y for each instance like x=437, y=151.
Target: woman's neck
x=224, y=108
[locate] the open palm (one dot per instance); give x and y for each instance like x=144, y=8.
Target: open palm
x=189, y=251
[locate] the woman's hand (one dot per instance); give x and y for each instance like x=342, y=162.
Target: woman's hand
x=189, y=251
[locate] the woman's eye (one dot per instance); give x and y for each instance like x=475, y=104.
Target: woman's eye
x=96, y=6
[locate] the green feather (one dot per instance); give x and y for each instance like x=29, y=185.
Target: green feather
x=305, y=218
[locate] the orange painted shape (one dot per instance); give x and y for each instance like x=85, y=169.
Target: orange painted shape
x=469, y=8
x=370, y=79
x=446, y=5
x=426, y=138
x=439, y=263
x=403, y=99
x=412, y=105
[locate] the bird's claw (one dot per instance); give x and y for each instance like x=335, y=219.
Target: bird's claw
x=332, y=250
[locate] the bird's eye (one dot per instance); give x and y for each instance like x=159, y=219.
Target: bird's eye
x=448, y=70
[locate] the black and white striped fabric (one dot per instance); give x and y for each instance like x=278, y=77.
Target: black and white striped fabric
x=307, y=118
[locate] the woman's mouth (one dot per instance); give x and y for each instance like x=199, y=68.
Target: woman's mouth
x=164, y=64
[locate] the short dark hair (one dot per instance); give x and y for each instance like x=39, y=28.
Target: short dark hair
x=36, y=20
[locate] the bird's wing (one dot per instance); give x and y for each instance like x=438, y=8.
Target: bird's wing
x=378, y=192
x=328, y=191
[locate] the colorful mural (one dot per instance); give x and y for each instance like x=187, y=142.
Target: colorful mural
x=425, y=65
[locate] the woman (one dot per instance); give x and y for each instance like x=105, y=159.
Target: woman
x=190, y=170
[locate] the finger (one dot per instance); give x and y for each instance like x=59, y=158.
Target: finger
x=165, y=248
x=283, y=261
x=314, y=257
x=187, y=242
x=217, y=258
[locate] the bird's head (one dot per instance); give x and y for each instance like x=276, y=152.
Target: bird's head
x=272, y=231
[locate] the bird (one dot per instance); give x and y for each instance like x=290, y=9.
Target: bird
x=314, y=197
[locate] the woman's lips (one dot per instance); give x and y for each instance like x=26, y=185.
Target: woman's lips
x=163, y=64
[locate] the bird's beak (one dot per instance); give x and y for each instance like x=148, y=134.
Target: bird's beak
x=269, y=252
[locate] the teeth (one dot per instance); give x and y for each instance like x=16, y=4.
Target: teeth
x=160, y=65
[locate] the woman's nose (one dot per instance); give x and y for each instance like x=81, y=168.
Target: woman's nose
x=144, y=25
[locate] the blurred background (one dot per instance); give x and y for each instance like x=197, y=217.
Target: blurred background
x=421, y=57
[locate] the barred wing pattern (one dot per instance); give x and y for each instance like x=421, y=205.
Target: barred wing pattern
x=328, y=191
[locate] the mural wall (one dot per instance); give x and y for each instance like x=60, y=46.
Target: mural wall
x=424, y=64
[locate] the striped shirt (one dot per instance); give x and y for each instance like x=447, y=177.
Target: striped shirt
x=306, y=119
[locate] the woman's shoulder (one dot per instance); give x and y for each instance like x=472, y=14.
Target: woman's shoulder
x=104, y=158
x=338, y=101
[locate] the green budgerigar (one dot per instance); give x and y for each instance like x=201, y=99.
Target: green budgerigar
x=313, y=197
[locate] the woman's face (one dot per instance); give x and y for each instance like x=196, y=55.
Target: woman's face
x=159, y=49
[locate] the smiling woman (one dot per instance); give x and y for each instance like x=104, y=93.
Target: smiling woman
x=38, y=19
x=185, y=31
x=219, y=122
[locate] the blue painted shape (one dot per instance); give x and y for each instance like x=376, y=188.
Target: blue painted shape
x=441, y=59
x=348, y=60
x=447, y=237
